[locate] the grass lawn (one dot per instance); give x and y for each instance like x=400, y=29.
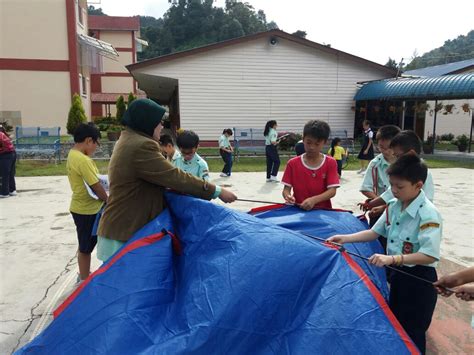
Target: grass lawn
x=245, y=164
x=446, y=146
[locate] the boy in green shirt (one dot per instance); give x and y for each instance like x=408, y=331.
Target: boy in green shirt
x=84, y=208
x=189, y=160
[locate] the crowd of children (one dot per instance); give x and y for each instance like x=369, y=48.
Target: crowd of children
x=397, y=185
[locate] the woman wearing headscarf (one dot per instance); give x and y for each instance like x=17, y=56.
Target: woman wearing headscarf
x=139, y=175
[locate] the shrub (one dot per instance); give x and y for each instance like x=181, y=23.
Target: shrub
x=8, y=128
x=76, y=115
x=121, y=107
x=130, y=99
x=289, y=142
x=447, y=137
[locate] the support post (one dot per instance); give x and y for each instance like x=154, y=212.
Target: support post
x=472, y=124
x=434, y=127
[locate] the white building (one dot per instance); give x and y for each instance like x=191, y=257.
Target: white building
x=246, y=81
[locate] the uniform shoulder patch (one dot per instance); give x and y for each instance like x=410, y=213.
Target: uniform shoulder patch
x=429, y=225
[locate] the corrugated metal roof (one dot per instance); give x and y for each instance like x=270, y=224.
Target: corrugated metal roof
x=443, y=69
x=457, y=86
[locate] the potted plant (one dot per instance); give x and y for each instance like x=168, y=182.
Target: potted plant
x=448, y=108
x=461, y=142
x=113, y=132
x=466, y=107
x=428, y=144
x=439, y=106
x=422, y=107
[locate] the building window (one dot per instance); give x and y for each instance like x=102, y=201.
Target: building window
x=83, y=85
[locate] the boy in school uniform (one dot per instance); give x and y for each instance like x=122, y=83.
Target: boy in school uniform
x=168, y=148
x=226, y=150
x=189, y=161
x=311, y=179
x=84, y=209
x=412, y=226
x=375, y=181
x=405, y=142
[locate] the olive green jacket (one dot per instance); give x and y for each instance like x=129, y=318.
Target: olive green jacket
x=138, y=177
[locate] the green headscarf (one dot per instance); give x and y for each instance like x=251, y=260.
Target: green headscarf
x=143, y=115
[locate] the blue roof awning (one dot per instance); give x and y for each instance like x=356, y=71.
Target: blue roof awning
x=458, y=86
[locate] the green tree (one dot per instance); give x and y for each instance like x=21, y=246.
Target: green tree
x=121, y=107
x=392, y=64
x=192, y=23
x=131, y=98
x=76, y=115
x=91, y=10
x=460, y=48
x=300, y=33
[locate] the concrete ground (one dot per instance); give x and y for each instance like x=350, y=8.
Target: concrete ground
x=38, y=246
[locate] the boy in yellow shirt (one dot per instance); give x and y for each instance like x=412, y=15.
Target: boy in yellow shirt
x=81, y=170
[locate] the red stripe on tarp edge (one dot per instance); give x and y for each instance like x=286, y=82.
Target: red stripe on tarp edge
x=380, y=300
x=280, y=205
x=135, y=245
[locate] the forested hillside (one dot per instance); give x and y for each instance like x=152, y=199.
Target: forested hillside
x=194, y=23
x=455, y=50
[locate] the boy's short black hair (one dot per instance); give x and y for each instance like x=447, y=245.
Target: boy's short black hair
x=407, y=140
x=388, y=132
x=166, y=139
x=316, y=129
x=86, y=130
x=409, y=167
x=187, y=140
x=228, y=131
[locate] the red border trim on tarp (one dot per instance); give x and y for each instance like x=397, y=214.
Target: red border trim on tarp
x=153, y=238
x=380, y=300
x=281, y=205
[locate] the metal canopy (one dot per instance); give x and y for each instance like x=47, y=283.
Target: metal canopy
x=457, y=86
x=103, y=48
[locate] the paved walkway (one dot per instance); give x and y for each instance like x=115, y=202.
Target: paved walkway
x=38, y=245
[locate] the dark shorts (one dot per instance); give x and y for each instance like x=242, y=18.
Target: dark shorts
x=84, y=226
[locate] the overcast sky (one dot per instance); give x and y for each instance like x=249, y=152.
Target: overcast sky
x=371, y=29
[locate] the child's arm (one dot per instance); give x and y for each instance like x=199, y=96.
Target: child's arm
x=465, y=292
x=368, y=145
x=99, y=191
x=310, y=202
x=369, y=194
x=287, y=195
x=404, y=259
x=454, y=279
x=362, y=236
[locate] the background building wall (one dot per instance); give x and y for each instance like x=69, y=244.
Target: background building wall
x=112, y=84
x=36, y=95
x=249, y=83
x=457, y=123
x=33, y=29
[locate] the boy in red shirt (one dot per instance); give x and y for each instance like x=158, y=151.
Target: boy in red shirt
x=313, y=175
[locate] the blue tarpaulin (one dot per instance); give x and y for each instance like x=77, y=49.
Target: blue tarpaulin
x=241, y=285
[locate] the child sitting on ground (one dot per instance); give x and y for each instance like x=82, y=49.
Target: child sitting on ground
x=84, y=209
x=312, y=176
x=412, y=226
x=168, y=148
x=189, y=161
x=337, y=152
